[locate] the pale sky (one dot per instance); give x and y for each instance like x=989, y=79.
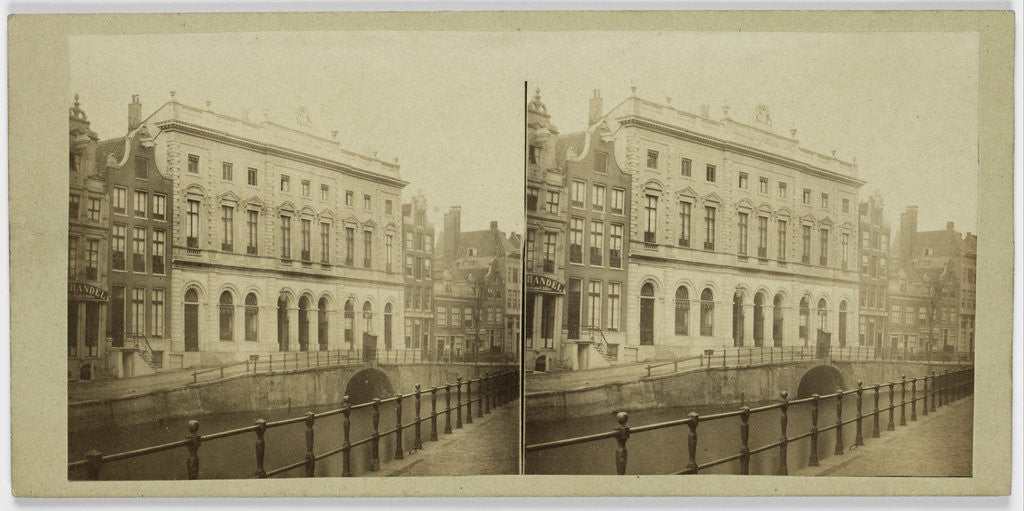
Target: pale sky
x=903, y=104
x=449, y=105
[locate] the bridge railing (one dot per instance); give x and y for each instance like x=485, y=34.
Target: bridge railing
x=937, y=390
x=485, y=393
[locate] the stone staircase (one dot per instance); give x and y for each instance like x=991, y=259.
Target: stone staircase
x=601, y=345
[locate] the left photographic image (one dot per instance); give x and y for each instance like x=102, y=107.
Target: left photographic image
x=293, y=255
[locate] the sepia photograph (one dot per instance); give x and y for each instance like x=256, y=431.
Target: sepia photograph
x=744, y=255
x=268, y=272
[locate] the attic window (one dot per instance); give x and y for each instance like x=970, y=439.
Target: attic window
x=472, y=252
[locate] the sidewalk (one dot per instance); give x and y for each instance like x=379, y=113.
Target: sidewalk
x=937, y=445
x=490, y=445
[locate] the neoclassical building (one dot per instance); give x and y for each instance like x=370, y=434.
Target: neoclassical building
x=738, y=235
x=282, y=240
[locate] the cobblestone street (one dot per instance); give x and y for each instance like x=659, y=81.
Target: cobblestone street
x=937, y=445
x=488, y=446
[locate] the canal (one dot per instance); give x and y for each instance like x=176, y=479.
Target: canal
x=234, y=457
x=664, y=451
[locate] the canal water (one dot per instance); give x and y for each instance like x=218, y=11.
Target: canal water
x=664, y=451
x=235, y=457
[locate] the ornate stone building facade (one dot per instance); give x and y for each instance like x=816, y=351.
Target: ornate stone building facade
x=281, y=241
x=738, y=235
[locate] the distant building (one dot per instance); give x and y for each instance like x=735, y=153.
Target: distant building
x=545, y=249
x=140, y=226
x=968, y=292
x=874, y=257
x=418, y=249
x=88, y=253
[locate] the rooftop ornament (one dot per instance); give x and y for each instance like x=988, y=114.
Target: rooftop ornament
x=536, y=104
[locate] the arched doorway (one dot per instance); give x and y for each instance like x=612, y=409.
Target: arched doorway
x=647, y=314
x=842, y=324
x=682, y=311
x=737, y=318
x=191, y=320
x=805, y=319
x=304, y=323
x=777, y=324
x=322, y=323
x=282, y=323
x=759, y=319
x=387, y=326
x=227, y=316
x=252, y=318
x=707, y=312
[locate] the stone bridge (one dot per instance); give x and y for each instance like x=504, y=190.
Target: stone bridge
x=297, y=390
x=722, y=386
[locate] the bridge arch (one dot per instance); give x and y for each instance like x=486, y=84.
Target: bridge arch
x=820, y=380
x=368, y=384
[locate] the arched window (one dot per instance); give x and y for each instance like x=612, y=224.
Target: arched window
x=350, y=318
x=737, y=318
x=191, y=320
x=682, y=311
x=822, y=315
x=707, y=312
x=227, y=316
x=805, y=319
x=367, y=317
x=304, y=323
x=759, y=319
x=387, y=326
x=322, y=323
x=252, y=318
x=842, y=323
x=647, y=314
x=282, y=323
x=777, y=321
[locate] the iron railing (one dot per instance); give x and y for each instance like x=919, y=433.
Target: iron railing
x=492, y=391
x=938, y=390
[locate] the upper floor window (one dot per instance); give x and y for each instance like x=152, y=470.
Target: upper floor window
x=598, y=197
x=782, y=190
x=710, y=174
x=141, y=199
x=367, y=201
x=652, y=159
x=743, y=180
x=579, y=194
x=534, y=153
x=531, y=198
x=388, y=207
x=807, y=195
x=192, y=224
x=618, y=198
x=120, y=199
x=251, y=176
x=600, y=161
x=305, y=188
x=324, y=192
x=650, y=219
x=553, y=197
x=763, y=186
x=286, y=184
x=227, y=171
x=94, y=209
x=349, y=197
x=74, y=205
x=846, y=205
x=684, y=166
x=193, y=163
x=159, y=207
x=824, y=200
x=141, y=167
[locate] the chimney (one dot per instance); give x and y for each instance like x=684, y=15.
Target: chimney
x=908, y=233
x=134, y=113
x=494, y=225
x=596, y=108
x=949, y=226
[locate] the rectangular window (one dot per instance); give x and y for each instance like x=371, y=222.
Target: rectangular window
x=367, y=248
x=549, y=251
x=823, y=257
x=579, y=194
x=227, y=222
x=894, y=314
x=139, y=249
x=576, y=240
x=615, y=246
x=408, y=240
x=807, y=195
x=553, y=198
x=141, y=167
x=710, y=173
x=742, y=242
x=709, y=228
x=596, y=243
x=782, y=240
x=349, y=197
x=651, y=219
x=389, y=241
x=763, y=186
x=600, y=161
x=120, y=199
x=684, y=167
x=782, y=190
x=119, y=235
x=846, y=250
x=846, y=205
x=159, y=207
x=613, y=305
x=367, y=201
x=350, y=246
x=252, y=176
x=684, y=224
x=286, y=237
x=156, y=303
x=428, y=243
x=805, y=235
x=762, y=237
x=388, y=207
x=598, y=197
x=824, y=200
x=193, y=163
x=305, y=226
x=73, y=257
x=286, y=184
x=138, y=319
x=94, y=209
x=426, y=269
x=74, y=206
x=534, y=152
x=305, y=188
x=618, y=200
x=227, y=171
x=141, y=199
x=253, y=224
x=92, y=259
x=442, y=315
x=594, y=304
x=532, y=195
x=324, y=192
x=408, y=266
x=159, y=243
x=743, y=180
x=325, y=242
x=531, y=242
x=652, y=159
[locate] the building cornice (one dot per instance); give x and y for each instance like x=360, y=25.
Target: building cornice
x=274, y=150
x=185, y=263
x=675, y=263
x=717, y=143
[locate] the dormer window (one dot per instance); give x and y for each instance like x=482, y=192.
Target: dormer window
x=652, y=159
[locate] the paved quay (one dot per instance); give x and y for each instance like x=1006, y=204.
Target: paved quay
x=937, y=445
x=125, y=387
x=488, y=446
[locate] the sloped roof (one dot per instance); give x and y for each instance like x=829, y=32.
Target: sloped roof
x=113, y=146
x=576, y=139
x=943, y=243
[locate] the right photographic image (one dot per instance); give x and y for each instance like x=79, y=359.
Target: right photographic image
x=751, y=253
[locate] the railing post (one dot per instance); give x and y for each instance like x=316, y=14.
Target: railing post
x=417, y=442
x=875, y=431
x=375, y=435
x=447, y=409
x=839, y=421
x=458, y=403
x=944, y=388
x=913, y=399
x=433, y=414
x=192, y=463
x=859, y=439
x=622, y=434
x=745, y=441
x=691, y=443
x=346, y=447
x=310, y=461
x=723, y=358
x=482, y=390
x=648, y=371
x=903, y=401
x=784, y=439
x=892, y=407
x=813, y=462
x=94, y=462
x=469, y=401
x=399, y=455
x=487, y=393
x=261, y=447
x=934, y=387
x=924, y=395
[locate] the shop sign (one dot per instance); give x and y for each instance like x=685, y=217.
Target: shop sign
x=83, y=291
x=544, y=283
